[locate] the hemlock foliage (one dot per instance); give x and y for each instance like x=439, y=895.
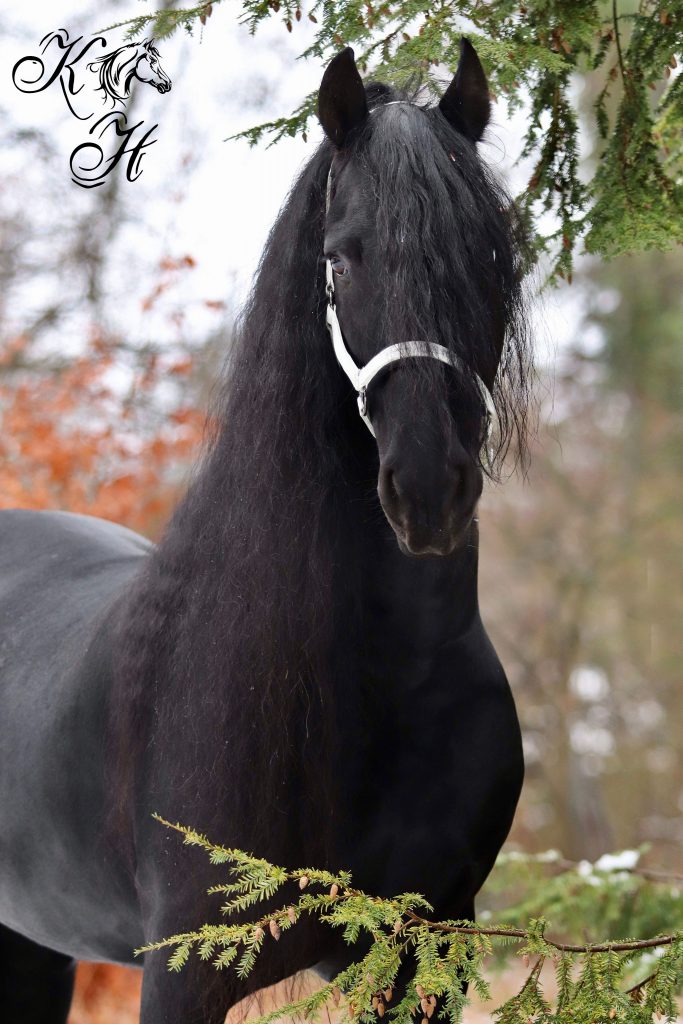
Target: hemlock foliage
x=531, y=50
x=600, y=979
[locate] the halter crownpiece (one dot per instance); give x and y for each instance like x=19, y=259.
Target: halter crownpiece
x=362, y=376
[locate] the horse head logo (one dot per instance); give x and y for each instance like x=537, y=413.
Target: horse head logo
x=117, y=70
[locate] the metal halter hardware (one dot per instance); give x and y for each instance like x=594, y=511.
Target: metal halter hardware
x=362, y=376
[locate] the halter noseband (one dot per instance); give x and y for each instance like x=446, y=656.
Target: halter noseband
x=362, y=376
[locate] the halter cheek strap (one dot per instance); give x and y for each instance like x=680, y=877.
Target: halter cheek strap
x=362, y=376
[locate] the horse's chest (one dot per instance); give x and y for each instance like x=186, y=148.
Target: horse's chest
x=432, y=772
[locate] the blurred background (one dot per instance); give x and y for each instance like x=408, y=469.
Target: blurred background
x=116, y=312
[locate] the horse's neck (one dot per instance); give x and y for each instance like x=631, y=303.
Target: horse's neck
x=412, y=607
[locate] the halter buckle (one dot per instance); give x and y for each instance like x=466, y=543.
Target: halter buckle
x=329, y=283
x=363, y=402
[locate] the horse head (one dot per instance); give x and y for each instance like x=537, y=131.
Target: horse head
x=116, y=70
x=420, y=263
x=148, y=68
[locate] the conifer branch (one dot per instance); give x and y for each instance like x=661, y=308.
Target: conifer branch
x=443, y=953
x=530, y=51
x=563, y=947
x=617, y=40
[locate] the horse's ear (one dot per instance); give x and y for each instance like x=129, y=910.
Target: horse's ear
x=342, y=104
x=466, y=102
x=148, y=42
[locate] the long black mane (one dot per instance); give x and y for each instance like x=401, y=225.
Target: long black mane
x=227, y=652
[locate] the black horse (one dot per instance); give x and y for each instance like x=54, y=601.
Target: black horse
x=279, y=671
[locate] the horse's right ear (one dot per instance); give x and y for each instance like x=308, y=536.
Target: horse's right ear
x=342, y=104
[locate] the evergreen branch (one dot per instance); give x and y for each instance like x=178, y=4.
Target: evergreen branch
x=164, y=22
x=562, y=947
x=444, y=954
x=635, y=198
x=617, y=40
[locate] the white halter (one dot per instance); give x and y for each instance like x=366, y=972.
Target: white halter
x=362, y=376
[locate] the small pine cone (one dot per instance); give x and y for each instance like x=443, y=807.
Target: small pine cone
x=398, y=924
x=612, y=1014
x=388, y=993
x=424, y=1021
x=274, y=929
x=432, y=1000
x=429, y=1011
x=375, y=1002
x=336, y=995
x=259, y=933
x=370, y=978
x=380, y=1010
x=334, y=890
x=424, y=1004
x=525, y=960
x=303, y=881
x=291, y=914
x=420, y=991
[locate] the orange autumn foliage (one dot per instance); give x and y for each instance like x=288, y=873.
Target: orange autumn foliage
x=79, y=440
x=105, y=994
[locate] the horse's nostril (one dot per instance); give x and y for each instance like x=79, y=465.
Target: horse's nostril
x=389, y=489
x=393, y=485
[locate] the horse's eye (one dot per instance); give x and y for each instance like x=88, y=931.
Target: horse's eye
x=338, y=266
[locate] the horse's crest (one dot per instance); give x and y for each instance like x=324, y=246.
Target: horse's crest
x=115, y=74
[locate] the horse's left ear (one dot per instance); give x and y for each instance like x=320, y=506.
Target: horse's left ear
x=342, y=104
x=148, y=42
x=466, y=102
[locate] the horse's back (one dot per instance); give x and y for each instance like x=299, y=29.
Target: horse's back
x=61, y=543
x=58, y=574
x=60, y=577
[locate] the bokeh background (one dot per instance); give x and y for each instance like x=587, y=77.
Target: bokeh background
x=117, y=307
